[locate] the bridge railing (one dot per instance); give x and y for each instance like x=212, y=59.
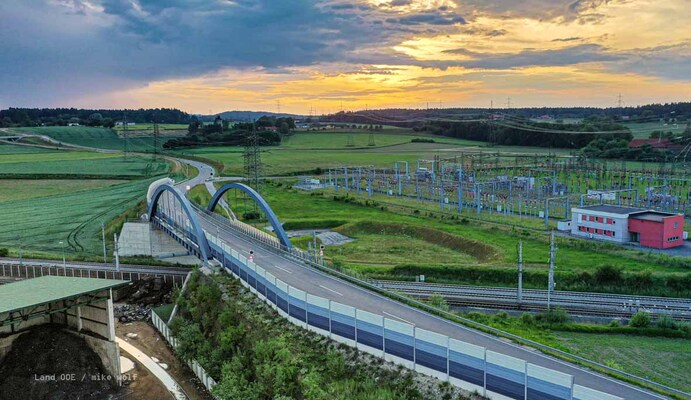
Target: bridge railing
x=462, y=364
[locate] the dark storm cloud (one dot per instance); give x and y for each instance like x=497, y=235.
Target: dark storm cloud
x=567, y=56
x=64, y=48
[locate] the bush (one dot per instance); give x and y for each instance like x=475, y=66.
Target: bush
x=666, y=322
x=4, y=252
x=251, y=215
x=527, y=319
x=640, y=319
x=607, y=274
x=555, y=316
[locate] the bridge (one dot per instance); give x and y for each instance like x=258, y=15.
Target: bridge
x=354, y=313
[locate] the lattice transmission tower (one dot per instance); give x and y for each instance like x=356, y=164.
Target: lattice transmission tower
x=252, y=159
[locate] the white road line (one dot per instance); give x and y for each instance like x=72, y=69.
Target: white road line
x=330, y=290
x=391, y=315
x=283, y=269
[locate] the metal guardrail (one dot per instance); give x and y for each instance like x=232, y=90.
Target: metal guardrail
x=369, y=284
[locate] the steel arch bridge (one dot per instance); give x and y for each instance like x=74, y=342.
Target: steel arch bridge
x=273, y=219
x=197, y=231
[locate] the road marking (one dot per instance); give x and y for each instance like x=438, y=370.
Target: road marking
x=391, y=315
x=283, y=269
x=330, y=290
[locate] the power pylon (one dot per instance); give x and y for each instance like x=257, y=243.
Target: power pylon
x=252, y=159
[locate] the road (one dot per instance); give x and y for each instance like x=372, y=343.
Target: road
x=318, y=283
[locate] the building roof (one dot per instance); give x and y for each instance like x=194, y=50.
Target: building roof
x=607, y=208
x=656, y=216
x=47, y=289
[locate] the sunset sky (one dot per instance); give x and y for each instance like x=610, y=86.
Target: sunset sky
x=215, y=55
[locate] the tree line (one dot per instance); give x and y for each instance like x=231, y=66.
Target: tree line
x=12, y=117
x=269, y=131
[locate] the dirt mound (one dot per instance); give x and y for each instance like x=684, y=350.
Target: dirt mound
x=148, y=291
x=49, y=363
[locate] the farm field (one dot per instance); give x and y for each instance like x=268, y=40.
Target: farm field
x=101, y=138
x=24, y=189
x=150, y=127
x=643, y=130
x=306, y=151
x=26, y=161
x=66, y=195
x=663, y=360
x=74, y=218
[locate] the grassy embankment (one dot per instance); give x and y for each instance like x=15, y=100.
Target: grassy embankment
x=255, y=354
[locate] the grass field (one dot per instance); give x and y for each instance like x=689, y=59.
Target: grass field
x=643, y=130
x=26, y=161
x=24, y=189
x=71, y=217
x=150, y=127
x=101, y=138
x=664, y=360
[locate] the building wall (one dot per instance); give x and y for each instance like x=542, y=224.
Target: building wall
x=603, y=226
x=658, y=235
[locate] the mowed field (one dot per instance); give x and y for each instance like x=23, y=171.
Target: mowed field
x=101, y=138
x=663, y=360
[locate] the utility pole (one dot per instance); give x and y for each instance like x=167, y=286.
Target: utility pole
x=117, y=256
x=125, y=133
x=550, y=279
x=103, y=235
x=155, y=140
x=508, y=103
x=520, y=271
x=20, y=251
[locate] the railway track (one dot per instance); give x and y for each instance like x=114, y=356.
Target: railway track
x=577, y=303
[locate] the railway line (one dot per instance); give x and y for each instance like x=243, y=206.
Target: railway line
x=577, y=303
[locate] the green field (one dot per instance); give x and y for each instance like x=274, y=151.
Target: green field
x=663, y=360
x=73, y=217
x=150, y=127
x=27, y=161
x=643, y=130
x=24, y=189
x=101, y=138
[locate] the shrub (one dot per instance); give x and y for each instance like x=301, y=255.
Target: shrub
x=614, y=323
x=666, y=322
x=640, y=319
x=555, y=316
x=527, y=319
x=607, y=274
x=4, y=252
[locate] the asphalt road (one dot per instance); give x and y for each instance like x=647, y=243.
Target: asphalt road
x=321, y=284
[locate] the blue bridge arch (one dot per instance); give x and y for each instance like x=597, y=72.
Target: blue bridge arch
x=273, y=219
x=204, y=248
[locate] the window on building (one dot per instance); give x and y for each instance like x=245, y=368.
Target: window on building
x=599, y=219
x=614, y=234
x=610, y=221
x=581, y=228
x=676, y=224
x=592, y=219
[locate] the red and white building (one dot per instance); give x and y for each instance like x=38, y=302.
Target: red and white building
x=655, y=229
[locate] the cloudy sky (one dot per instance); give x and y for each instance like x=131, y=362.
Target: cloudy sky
x=217, y=55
